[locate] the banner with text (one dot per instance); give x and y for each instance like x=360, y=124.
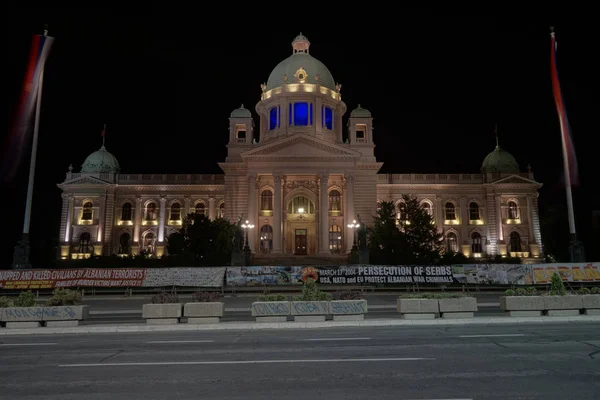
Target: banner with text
x=571, y=272
x=374, y=274
x=111, y=277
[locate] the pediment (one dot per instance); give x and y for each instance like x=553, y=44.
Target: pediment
x=300, y=147
x=515, y=179
x=84, y=180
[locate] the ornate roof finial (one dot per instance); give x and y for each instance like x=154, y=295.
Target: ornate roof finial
x=242, y=106
x=70, y=167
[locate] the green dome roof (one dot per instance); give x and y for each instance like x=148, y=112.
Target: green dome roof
x=500, y=161
x=360, y=112
x=100, y=161
x=316, y=71
x=241, y=113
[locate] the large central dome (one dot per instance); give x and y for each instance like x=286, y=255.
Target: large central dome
x=290, y=70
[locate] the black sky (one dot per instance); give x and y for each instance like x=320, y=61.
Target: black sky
x=165, y=83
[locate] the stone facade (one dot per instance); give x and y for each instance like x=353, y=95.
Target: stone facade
x=300, y=186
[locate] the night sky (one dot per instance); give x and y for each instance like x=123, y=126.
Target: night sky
x=436, y=85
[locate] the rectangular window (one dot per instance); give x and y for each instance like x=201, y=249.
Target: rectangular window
x=273, y=118
x=300, y=114
x=241, y=136
x=328, y=118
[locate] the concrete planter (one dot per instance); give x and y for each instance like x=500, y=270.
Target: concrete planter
x=418, y=308
x=591, y=304
x=522, y=306
x=204, y=312
x=162, y=314
x=310, y=311
x=35, y=317
x=348, y=310
x=462, y=307
x=563, y=305
x=271, y=311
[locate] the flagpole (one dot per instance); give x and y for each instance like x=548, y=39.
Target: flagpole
x=576, y=253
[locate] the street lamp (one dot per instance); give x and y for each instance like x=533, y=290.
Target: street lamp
x=353, y=226
x=301, y=213
x=247, y=225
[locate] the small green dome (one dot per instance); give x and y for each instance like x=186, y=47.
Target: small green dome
x=241, y=113
x=100, y=161
x=500, y=161
x=360, y=112
x=293, y=68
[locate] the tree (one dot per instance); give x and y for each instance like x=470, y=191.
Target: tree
x=209, y=242
x=412, y=238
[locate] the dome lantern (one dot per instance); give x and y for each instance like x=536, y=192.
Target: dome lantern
x=300, y=44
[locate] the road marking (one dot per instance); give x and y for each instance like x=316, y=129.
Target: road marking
x=179, y=341
x=334, y=339
x=331, y=360
x=27, y=344
x=499, y=335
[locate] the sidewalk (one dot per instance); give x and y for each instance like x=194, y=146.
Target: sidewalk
x=245, y=326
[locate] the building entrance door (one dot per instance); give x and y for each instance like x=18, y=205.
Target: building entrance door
x=300, y=242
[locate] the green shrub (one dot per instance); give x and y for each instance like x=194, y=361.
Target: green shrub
x=595, y=290
x=584, y=291
x=509, y=292
x=310, y=292
x=206, y=297
x=25, y=299
x=521, y=292
x=531, y=291
x=557, y=288
x=347, y=295
x=165, y=298
x=272, y=297
x=5, y=302
x=64, y=297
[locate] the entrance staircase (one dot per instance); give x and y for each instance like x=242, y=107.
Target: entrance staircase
x=289, y=260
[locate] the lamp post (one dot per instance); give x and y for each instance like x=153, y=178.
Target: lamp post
x=247, y=225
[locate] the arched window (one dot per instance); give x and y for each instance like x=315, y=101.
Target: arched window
x=450, y=211
x=401, y=211
x=124, y=246
x=427, y=207
x=222, y=210
x=301, y=205
x=149, y=242
x=515, y=242
x=476, y=245
x=151, y=212
x=335, y=238
x=84, y=243
x=266, y=238
x=266, y=200
x=335, y=200
x=175, y=212
x=327, y=117
x=474, y=211
x=126, y=212
x=513, y=210
x=301, y=114
x=87, y=211
x=451, y=242
x=200, y=209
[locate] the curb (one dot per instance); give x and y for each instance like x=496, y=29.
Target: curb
x=246, y=326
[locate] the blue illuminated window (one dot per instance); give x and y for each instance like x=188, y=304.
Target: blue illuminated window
x=311, y=115
x=273, y=118
x=328, y=118
x=301, y=114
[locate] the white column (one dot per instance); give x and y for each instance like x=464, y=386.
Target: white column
x=439, y=215
x=101, y=215
x=138, y=220
x=69, y=225
x=464, y=219
x=252, y=213
x=499, y=218
x=323, y=214
x=277, y=214
x=188, y=202
x=161, y=221
x=211, y=208
x=349, y=212
x=530, y=219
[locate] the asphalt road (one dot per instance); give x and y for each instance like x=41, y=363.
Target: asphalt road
x=541, y=361
x=117, y=309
